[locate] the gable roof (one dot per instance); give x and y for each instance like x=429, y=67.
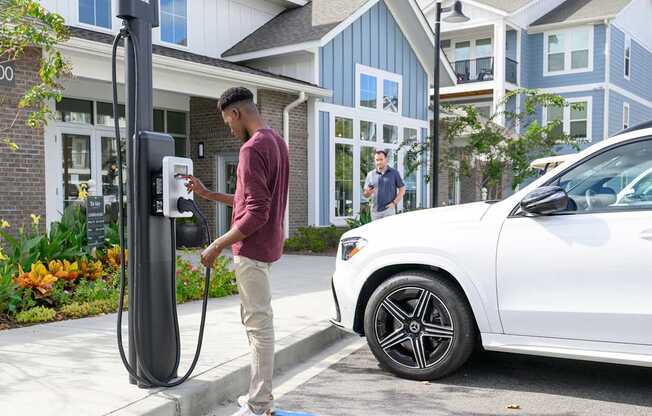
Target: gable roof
x=76, y=32
x=290, y=27
x=579, y=10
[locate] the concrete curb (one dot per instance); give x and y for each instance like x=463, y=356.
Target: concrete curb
x=227, y=381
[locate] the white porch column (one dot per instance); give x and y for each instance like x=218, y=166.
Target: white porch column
x=500, y=55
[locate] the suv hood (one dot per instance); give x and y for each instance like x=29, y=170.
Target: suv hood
x=409, y=221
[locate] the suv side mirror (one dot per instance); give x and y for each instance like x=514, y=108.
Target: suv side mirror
x=545, y=201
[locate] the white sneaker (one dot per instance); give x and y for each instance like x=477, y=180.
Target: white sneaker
x=244, y=401
x=246, y=411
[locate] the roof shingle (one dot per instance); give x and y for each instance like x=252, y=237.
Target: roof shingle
x=574, y=10
x=290, y=27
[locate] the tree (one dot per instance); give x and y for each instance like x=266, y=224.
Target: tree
x=482, y=145
x=25, y=24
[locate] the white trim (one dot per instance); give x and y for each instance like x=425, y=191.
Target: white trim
x=626, y=107
x=627, y=68
x=197, y=69
x=630, y=95
x=567, y=120
x=467, y=87
x=281, y=50
x=567, y=33
x=552, y=27
x=381, y=76
x=607, y=78
x=575, y=88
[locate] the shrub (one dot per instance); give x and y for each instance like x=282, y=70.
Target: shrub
x=91, y=290
x=363, y=218
x=34, y=315
x=9, y=297
x=96, y=307
x=314, y=239
x=222, y=279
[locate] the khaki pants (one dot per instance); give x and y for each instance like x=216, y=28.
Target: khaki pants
x=375, y=215
x=253, y=279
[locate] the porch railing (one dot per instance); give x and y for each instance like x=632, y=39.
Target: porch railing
x=474, y=70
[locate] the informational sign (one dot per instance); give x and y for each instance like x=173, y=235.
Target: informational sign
x=95, y=221
x=7, y=74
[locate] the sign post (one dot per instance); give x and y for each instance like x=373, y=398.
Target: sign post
x=95, y=221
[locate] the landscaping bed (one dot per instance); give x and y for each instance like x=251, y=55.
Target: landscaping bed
x=55, y=276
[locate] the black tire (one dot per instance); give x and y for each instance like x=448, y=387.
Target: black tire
x=446, y=313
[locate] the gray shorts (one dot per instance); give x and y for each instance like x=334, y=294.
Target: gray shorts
x=375, y=215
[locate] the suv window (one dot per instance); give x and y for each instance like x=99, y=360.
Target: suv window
x=617, y=179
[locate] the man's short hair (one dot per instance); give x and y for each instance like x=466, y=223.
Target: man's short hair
x=234, y=95
x=381, y=152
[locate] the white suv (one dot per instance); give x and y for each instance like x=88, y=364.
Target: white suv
x=562, y=268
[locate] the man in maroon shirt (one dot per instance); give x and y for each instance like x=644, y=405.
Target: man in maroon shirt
x=256, y=235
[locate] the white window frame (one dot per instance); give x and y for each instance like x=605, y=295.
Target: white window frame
x=95, y=27
x=381, y=76
x=627, y=60
x=566, y=117
x=380, y=118
x=567, y=51
x=626, y=123
x=172, y=44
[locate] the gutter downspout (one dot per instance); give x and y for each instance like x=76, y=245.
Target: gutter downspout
x=607, y=78
x=286, y=136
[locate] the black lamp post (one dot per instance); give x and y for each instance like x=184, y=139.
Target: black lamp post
x=455, y=16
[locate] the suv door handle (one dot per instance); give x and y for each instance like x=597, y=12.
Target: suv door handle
x=647, y=234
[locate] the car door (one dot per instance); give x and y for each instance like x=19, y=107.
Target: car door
x=585, y=273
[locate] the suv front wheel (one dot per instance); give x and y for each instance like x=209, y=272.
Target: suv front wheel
x=419, y=326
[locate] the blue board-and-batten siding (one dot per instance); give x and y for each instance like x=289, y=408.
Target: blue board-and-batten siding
x=374, y=40
x=638, y=113
x=640, y=78
x=324, y=167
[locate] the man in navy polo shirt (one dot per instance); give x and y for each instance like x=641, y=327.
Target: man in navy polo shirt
x=385, y=185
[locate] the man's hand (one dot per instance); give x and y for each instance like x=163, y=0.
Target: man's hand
x=195, y=185
x=209, y=255
x=368, y=191
x=391, y=205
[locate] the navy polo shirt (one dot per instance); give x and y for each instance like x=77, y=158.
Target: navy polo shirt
x=386, y=185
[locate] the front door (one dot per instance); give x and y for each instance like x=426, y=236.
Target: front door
x=227, y=167
x=585, y=273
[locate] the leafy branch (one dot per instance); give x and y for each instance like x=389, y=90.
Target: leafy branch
x=25, y=24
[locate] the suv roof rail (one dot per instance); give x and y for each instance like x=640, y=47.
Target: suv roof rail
x=640, y=126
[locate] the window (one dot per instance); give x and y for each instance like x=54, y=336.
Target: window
x=174, y=22
x=568, y=51
x=105, y=114
x=625, y=115
x=378, y=90
x=367, y=164
x=368, y=131
x=483, y=48
x=173, y=123
x=76, y=165
x=71, y=110
x=390, y=96
x=628, y=56
x=390, y=134
x=575, y=118
x=343, y=128
x=368, y=91
x=343, y=180
x=95, y=12
x=454, y=184
x=617, y=179
x=410, y=170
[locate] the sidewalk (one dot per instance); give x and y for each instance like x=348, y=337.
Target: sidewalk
x=73, y=367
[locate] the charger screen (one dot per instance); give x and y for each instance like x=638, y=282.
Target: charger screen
x=180, y=170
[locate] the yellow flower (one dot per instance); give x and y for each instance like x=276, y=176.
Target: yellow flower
x=3, y=257
x=36, y=219
x=4, y=224
x=83, y=192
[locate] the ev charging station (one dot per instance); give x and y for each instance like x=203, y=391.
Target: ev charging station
x=156, y=195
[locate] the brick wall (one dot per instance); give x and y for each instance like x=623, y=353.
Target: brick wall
x=271, y=104
x=207, y=126
x=22, y=183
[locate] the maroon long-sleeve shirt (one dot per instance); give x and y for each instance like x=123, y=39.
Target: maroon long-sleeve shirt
x=261, y=196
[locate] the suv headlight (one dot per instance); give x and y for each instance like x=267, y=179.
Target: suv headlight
x=352, y=246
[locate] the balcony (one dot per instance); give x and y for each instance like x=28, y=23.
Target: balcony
x=474, y=70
